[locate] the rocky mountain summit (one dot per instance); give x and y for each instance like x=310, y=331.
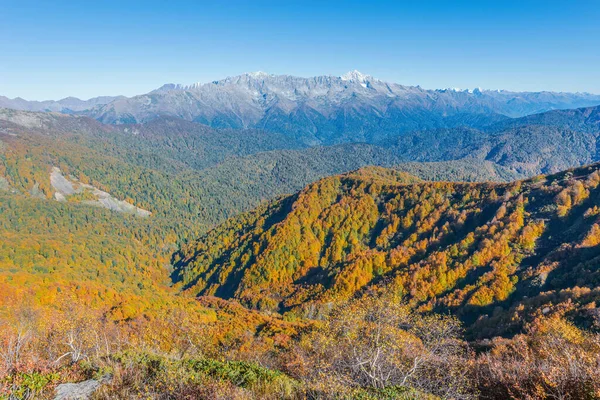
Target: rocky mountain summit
x=320, y=110
x=354, y=107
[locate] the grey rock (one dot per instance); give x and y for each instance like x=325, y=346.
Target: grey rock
x=77, y=391
x=36, y=192
x=61, y=184
x=65, y=188
x=4, y=184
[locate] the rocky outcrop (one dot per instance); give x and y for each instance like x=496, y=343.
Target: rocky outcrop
x=67, y=190
x=77, y=391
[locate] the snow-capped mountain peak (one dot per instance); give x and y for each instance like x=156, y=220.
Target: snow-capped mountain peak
x=257, y=74
x=355, y=76
x=325, y=109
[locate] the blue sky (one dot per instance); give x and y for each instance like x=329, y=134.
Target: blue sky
x=54, y=49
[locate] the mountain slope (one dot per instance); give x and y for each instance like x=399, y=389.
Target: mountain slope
x=245, y=182
x=580, y=119
x=186, y=172
x=165, y=143
x=51, y=249
x=178, y=170
x=328, y=109
x=484, y=251
x=541, y=143
x=529, y=150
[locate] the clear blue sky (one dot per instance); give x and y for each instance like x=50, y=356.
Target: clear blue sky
x=53, y=49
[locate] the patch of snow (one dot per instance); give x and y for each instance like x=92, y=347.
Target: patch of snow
x=257, y=74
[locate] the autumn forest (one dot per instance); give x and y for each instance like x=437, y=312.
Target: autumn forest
x=173, y=260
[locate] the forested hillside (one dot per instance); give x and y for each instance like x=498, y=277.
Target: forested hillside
x=540, y=143
x=486, y=252
x=157, y=166
x=118, y=259
x=106, y=257
x=189, y=177
x=372, y=266
x=52, y=252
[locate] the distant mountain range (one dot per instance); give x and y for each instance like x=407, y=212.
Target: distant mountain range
x=67, y=105
x=320, y=110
